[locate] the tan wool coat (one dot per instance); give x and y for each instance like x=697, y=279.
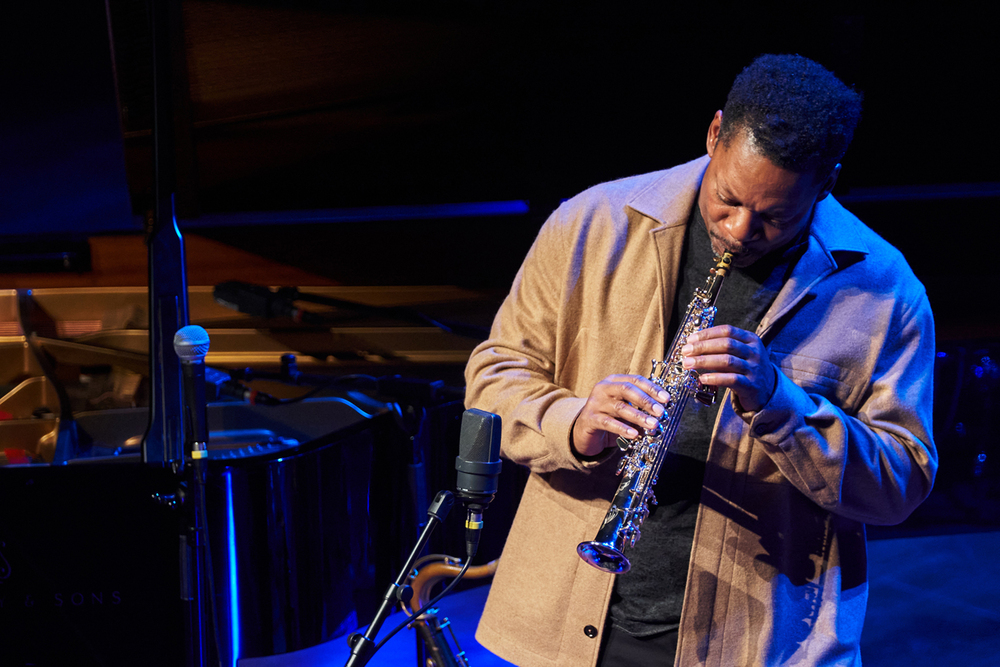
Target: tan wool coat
x=778, y=567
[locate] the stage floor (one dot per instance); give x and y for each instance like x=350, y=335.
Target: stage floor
x=934, y=601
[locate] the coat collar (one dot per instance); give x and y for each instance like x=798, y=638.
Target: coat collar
x=669, y=198
x=834, y=242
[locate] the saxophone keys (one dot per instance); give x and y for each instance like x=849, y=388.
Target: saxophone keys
x=633, y=537
x=621, y=466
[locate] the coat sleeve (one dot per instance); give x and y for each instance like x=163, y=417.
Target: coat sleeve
x=878, y=463
x=514, y=372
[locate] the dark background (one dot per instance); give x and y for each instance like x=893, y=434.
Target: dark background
x=327, y=106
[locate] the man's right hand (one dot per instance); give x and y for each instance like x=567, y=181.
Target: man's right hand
x=617, y=406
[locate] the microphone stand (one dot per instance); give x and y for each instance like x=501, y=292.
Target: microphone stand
x=193, y=560
x=205, y=648
x=191, y=344
x=362, y=646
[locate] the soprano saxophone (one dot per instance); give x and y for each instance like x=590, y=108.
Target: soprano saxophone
x=643, y=457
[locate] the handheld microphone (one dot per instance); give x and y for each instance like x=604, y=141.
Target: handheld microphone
x=477, y=469
x=191, y=345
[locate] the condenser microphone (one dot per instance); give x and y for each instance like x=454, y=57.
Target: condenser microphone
x=477, y=469
x=191, y=345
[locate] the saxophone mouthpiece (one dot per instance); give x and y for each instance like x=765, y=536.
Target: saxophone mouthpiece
x=722, y=267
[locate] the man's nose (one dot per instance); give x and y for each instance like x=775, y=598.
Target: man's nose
x=743, y=225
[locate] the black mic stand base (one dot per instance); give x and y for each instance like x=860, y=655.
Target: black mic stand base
x=363, y=645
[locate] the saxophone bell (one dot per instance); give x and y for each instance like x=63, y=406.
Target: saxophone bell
x=604, y=556
x=621, y=523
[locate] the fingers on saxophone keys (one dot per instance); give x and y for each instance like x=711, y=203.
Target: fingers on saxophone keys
x=632, y=415
x=650, y=397
x=725, y=363
x=718, y=331
x=614, y=426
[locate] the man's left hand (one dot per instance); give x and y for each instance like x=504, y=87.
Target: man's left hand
x=725, y=356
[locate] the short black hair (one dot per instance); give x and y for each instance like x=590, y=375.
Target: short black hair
x=799, y=114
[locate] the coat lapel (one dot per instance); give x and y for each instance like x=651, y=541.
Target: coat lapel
x=832, y=231
x=667, y=201
x=815, y=264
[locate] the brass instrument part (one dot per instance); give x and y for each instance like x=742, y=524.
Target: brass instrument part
x=432, y=573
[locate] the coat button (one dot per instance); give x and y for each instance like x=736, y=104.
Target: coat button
x=590, y=631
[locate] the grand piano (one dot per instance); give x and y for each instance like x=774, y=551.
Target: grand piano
x=311, y=502
x=333, y=409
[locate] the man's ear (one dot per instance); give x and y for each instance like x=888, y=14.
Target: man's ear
x=831, y=181
x=713, y=133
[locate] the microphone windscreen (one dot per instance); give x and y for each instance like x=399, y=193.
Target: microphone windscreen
x=480, y=436
x=191, y=344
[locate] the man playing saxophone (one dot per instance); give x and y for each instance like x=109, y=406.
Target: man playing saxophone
x=822, y=356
